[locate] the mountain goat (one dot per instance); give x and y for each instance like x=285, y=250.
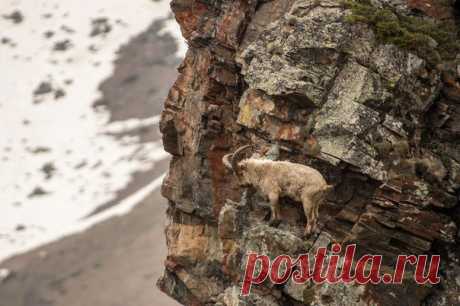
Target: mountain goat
x=275, y=179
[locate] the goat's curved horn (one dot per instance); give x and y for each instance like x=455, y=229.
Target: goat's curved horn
x=226, y=161
x=237, y=156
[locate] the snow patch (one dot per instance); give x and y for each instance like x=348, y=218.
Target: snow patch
x=57, y=155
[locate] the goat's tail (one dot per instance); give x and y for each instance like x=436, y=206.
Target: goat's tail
x=324, y=191
x=327, y=188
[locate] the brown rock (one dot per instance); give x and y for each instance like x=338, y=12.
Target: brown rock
x=376, y=120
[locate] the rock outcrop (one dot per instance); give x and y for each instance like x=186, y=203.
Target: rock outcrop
x=333, y=85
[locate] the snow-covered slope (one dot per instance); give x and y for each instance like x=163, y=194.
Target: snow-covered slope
x=58, y=158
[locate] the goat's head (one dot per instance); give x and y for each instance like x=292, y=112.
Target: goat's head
x=233, y=162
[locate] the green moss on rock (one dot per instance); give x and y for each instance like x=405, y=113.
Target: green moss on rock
x=432, y=41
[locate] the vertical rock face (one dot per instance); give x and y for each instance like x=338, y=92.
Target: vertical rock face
x=379, y=120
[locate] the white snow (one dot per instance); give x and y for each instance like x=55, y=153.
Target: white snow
x=4, y=274
x=174, y=30
x=90, y=163
x=61, y=229
x=130, y=124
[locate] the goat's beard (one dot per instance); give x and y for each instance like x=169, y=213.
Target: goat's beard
x=243, y=182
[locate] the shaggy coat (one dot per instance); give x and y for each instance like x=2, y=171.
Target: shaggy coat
x=276, y=179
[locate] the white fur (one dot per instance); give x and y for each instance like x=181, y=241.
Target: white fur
x=275, y=179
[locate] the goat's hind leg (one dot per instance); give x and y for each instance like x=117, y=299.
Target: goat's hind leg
x=275, y=218
x=309, y=210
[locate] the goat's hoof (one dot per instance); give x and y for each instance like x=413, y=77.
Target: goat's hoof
x=307, y=233
x=274, y=222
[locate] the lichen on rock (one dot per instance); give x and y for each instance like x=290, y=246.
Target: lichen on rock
x=363, y=91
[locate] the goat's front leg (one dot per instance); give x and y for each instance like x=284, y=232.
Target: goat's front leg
x=275, y=218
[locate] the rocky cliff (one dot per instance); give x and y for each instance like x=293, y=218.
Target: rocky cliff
x=367, y=92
